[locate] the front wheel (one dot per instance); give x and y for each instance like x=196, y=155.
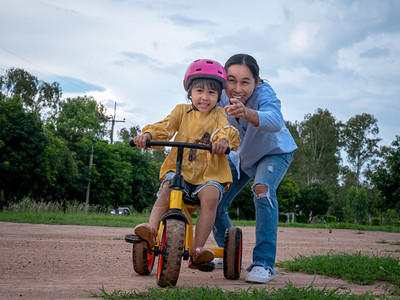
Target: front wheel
x=171, y=251
x=233, y=253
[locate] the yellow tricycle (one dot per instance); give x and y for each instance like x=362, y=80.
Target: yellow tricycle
x=175, y=234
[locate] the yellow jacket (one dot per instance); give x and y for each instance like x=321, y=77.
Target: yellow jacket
x=189, y=127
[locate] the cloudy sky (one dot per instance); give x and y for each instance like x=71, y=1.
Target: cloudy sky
x=340, y=55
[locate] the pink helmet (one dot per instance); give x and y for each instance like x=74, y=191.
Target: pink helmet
x=204, y=68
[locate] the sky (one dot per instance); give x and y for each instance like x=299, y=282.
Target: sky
x=339, y=55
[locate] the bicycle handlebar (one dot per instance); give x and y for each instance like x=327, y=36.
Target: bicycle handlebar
x=150, y=143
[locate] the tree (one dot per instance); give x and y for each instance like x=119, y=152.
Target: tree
x=314, y=200
x=126, y=135
x=145, y=178
x=287, y=195
x=387, y=178
x=348, y=210
x=158, y=156
x=243, y=205
x=356, y=207
x=337, y=204
x=81, y=120
x=361, y=206
x=121, y=175
x=296, y=167
x=22, y=143
x=112, y=175
x=317, y=158
x=358, y=144
x=34, y=95
x=63, y=170
x=81, y=117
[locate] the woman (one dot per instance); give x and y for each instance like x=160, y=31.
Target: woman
x=265, y=152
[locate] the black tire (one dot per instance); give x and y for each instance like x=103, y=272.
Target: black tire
x=233, y=253
x=142, y=259
x=171, y=251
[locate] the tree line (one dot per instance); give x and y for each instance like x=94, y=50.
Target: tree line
x=46, y=143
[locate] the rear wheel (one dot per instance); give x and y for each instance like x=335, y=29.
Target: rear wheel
x=233, y=253
x=171, y=251
x=142, y=258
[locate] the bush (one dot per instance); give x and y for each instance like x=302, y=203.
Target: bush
x=29, y=205
x=389, y=217
x=350, y=221
x=375, y=221
x=301, y=219
x=330, y=219
x=396, y=223
x=283, y=218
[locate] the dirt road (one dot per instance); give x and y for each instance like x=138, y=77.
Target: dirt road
x=69, y=262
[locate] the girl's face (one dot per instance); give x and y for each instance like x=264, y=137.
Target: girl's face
x=240, y=83
x=204, y=98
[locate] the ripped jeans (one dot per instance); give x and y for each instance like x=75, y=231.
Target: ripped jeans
x=270, y=171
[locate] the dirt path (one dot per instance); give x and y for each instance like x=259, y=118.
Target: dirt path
x=69, y=262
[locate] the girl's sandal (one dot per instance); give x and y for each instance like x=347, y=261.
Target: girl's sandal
x=202, y=260
x=147, y=233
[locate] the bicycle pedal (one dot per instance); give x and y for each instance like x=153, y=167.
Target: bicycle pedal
x=131, y=238
x=206, y=267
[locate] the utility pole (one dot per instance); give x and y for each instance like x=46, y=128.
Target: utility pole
x=94, y=140
x=113, y=122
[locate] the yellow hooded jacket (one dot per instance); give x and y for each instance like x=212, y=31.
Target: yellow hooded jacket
x=191, y=125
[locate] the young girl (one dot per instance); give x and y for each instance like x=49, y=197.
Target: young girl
x=206, y=175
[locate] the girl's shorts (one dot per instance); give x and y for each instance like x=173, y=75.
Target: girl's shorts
x=191, y=189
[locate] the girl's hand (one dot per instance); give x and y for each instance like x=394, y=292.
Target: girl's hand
x=236, y=109
x=220, y=146
x=140, y=140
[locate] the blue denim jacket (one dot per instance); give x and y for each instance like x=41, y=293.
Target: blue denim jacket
x=270, y=136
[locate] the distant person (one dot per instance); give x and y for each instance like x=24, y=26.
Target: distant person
x=265, y=152
x=206, y=174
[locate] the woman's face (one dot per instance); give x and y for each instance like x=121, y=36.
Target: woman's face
x=240, y=83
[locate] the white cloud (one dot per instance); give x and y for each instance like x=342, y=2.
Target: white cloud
x=303, y=38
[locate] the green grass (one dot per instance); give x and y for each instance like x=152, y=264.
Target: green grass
x=355, y=268
x=72, y=219
x=105, y=219
x=290, y=292
x=382, y=242
x=331, y=226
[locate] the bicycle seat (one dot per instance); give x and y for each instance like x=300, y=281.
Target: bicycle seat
x=191, y=200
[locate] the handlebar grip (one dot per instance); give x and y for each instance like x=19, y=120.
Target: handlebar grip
x=132, y=143
x=150, y=143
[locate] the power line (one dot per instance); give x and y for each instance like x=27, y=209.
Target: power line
x=33, y=64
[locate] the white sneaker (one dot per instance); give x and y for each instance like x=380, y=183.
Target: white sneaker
x=259, y=275
x=218, y=262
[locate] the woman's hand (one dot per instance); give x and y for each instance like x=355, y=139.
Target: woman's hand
x=140, y=140
x=220, y=146
x=236, y=109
